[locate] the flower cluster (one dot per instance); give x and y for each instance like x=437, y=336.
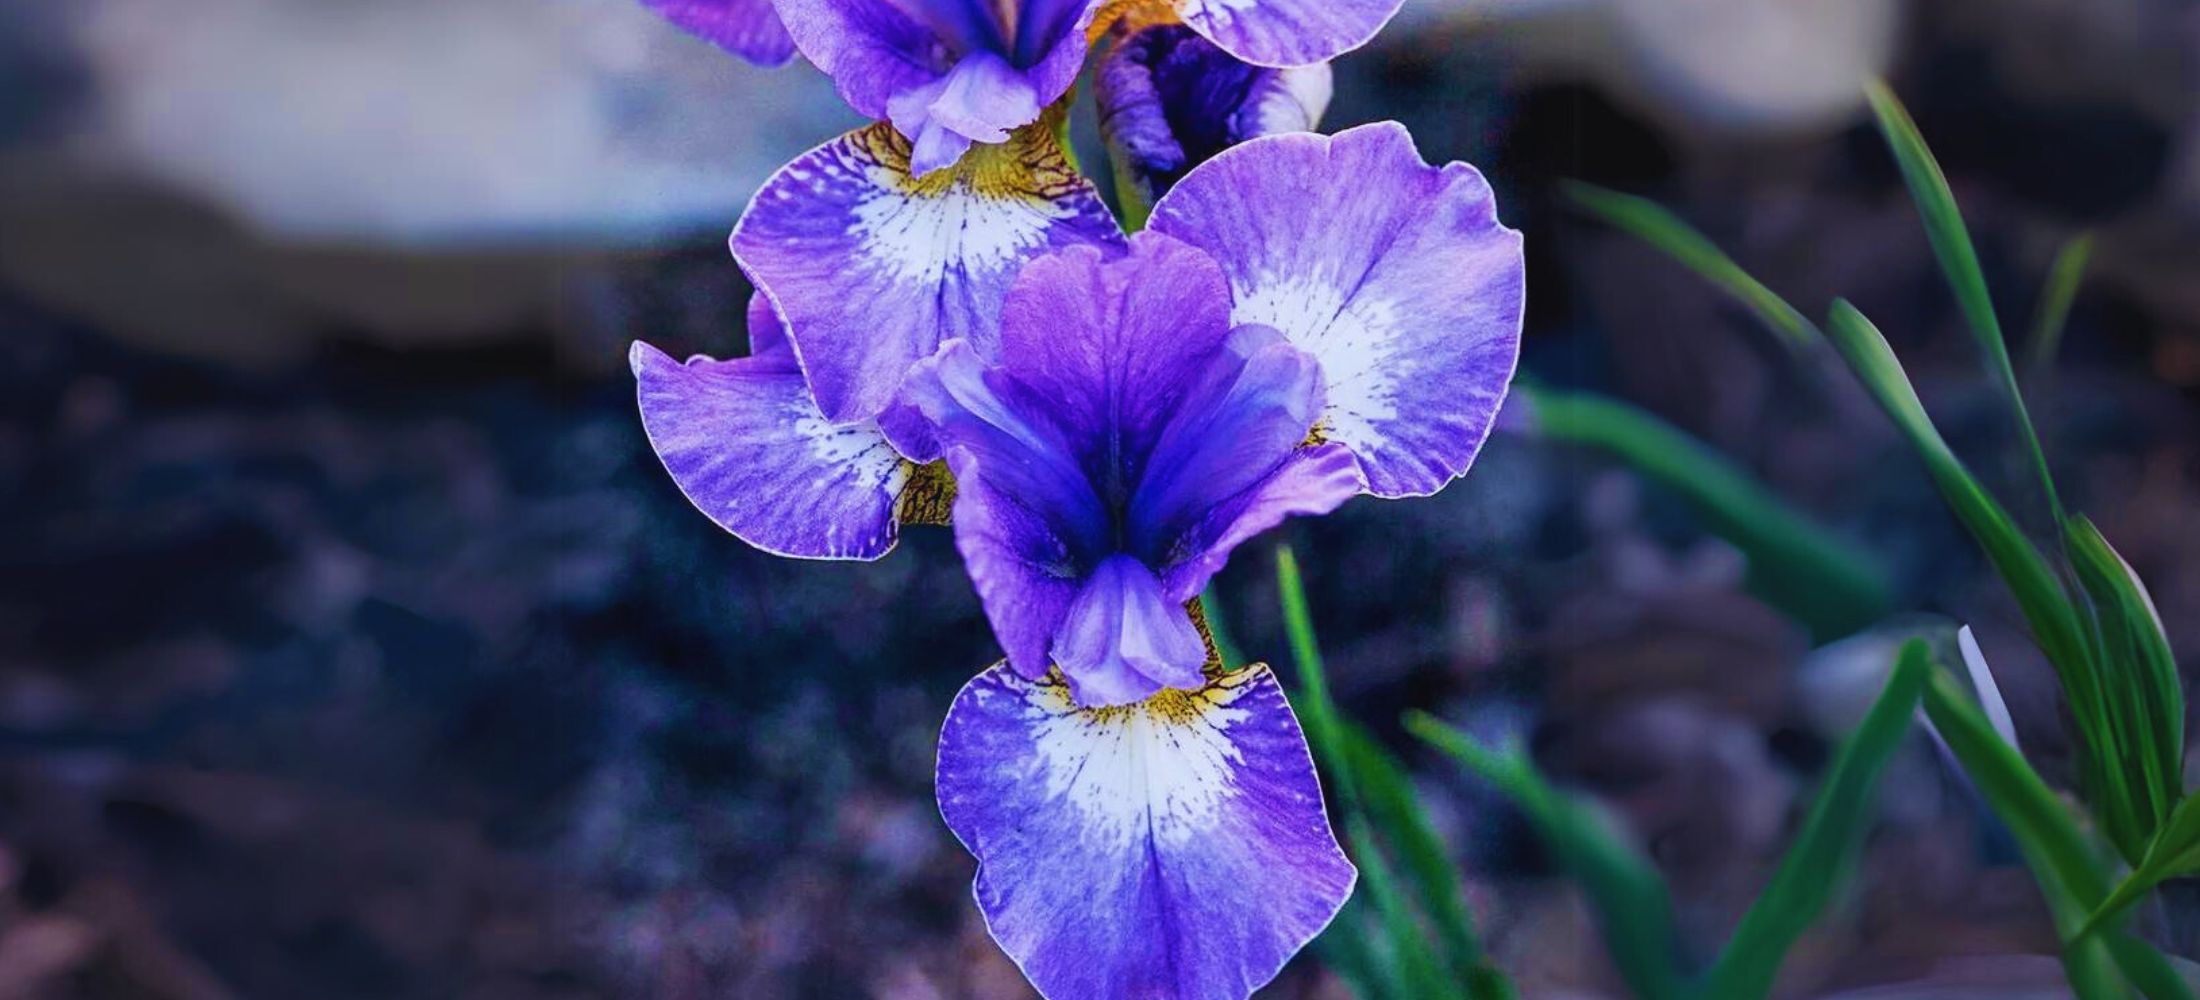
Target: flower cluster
x=950, y=326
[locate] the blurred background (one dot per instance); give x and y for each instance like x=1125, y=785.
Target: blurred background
x=353, y=644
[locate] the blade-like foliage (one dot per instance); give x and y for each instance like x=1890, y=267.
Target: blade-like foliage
x=1653, y=224
x=2054, y=847
x=1406, y=960
x=1794, y=564
x=1828, y=843
x=1630, y=900
x=1396, y=813
x=1951, y=242
x=2140, y=674
x=2053, y=312
x=2056, y=624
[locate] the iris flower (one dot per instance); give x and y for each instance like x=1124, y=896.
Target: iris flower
x=1306, y=318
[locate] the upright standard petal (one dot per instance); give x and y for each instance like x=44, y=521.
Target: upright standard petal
x=1121, y=441
x=1175, y=848
x=874, y=268
x=747, y=28
x=1027, y=521
x=1114, y=345
x=1394, y=274
x=1288, y=32
x=746, y=444
x=1170, y=99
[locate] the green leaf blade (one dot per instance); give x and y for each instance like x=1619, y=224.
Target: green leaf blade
x=2053, y=314
x=1829, y=841
x=1794, y=563
x=1630, y=899
x=1951, y=242
x=1652, y=223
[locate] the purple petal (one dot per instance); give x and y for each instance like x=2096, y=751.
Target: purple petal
x=1169, y=100
x=1173, y=848
x=747, y=28
x=767, y=335
x=747, y=445
x=1121, y=420
x=1112, y=346
x=1313, y=481
x=1123, y=641
x=1288, y=32
x=1026, y=518
x=901, y=61
x=1395, y=275
x=1249, y=413
x=874, y=270
x=871, y=48
x=1051, y=43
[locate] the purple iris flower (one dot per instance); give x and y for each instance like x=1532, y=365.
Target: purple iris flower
x=1170, y=99
x=1308, y=317
x=747, y=28
x=1142, y=829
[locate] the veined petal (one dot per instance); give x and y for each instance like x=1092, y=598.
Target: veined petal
x=1312, y=481
x=874, y=269
x=1113, y=345
x=747, y=445
x=1172, y=848
x=1026, y=518
x=1250, y=411
x=1394, y=274
x=747, y=28
x=872, y=49
x=1288, y=32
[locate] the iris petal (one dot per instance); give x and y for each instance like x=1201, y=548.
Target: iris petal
x=747, y=28
x=747, y=445
x=1172, y=848
x=1288, y=32
x=1394, y=274
x=874, y=268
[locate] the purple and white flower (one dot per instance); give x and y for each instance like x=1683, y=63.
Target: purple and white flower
x=1142, y=828
x=1306, y=318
